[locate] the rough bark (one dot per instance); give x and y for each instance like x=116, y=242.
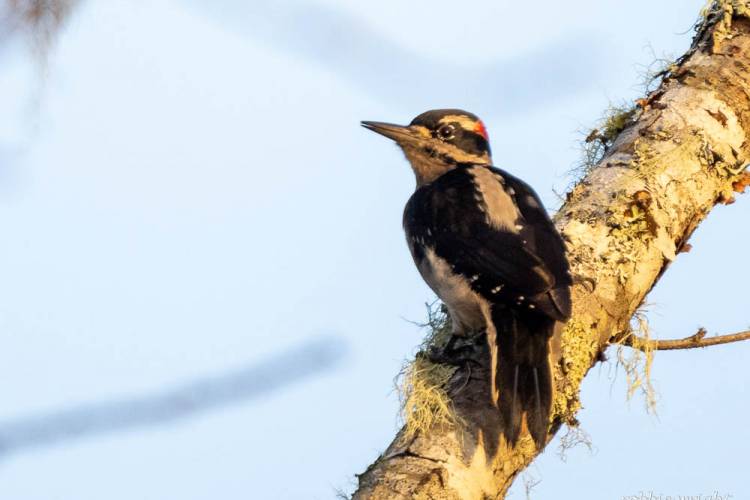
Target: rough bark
x=683, y=152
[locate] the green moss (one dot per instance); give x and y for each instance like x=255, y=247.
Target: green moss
x=614, y=120
x=421, y=383
x=578, y=349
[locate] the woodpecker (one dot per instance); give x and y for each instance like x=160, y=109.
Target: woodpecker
x=483, y=242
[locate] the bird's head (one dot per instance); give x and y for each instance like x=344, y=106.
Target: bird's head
x=439, y=140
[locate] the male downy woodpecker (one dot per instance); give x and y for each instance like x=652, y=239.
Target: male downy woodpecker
x=485, y=245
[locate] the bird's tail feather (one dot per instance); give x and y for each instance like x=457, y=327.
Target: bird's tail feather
x=523, y=375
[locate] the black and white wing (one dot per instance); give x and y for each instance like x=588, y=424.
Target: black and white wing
x=492, y=230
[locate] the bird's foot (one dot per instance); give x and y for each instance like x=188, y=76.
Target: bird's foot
x=459, y=350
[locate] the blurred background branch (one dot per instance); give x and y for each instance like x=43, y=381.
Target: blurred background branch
x=398, y=76
x=39, y=20
x=197, y=396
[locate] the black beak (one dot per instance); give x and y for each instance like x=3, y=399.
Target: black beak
x=398, y=133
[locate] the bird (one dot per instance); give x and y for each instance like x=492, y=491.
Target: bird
x=483, y=242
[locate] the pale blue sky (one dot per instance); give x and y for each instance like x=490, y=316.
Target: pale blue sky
x=188, y=190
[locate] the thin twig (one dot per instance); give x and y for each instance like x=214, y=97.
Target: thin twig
x=696, y=340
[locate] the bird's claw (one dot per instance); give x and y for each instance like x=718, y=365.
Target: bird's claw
x=458, y=351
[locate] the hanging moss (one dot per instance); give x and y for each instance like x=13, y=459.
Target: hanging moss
x=421, y=383
x=638, y=364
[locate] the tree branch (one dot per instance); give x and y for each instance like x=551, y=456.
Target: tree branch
x=666, y=164
x=696, y=340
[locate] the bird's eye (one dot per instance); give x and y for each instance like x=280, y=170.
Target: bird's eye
x=446, y=132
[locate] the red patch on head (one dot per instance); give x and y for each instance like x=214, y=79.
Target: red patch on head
x=481, y=130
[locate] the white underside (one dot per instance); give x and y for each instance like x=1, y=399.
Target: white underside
x=468, y=310
x=470, y=313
